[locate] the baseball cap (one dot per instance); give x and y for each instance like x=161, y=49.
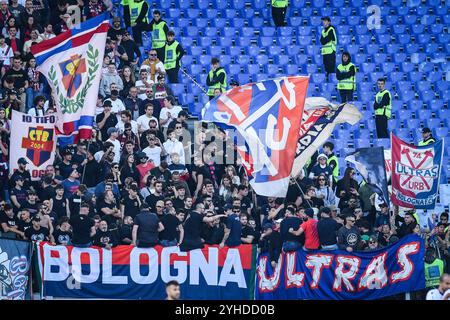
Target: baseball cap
x=373, y=238
x=22, y=161
x=426, y=130
x=18, y=177
x=111, y=130
x=227, y=207
x=322, y=155
x=309, y=212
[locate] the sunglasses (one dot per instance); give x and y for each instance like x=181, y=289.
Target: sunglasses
x=372, y=242
x=352, y=221
x=116, y=167
x=152, y=55
x=159, y=206
x=321, y=179
x=236, y=210
x=178, y=127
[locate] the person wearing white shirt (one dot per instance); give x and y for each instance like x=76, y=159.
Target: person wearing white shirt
x=117, y=105
x=172, y=145
x=153, y=152
x=143, y=121
x=6, y=52
x=113, y=134
x=169, y=112
x=440, y=292
x=48, y=32
x=144, y=83
x=125, y=117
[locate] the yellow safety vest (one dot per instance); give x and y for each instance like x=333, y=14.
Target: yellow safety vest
x=336, y=169
x=386, y=110
x=171, y=56
x=280, y=3
x=349, y=83
x=425, y=143
x=223, y=85
x=135, y=11
x=158, y=35
x=433, y=272
x=330, y=46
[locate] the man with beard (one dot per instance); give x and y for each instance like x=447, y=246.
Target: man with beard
x=22, y=172
x=104, y=238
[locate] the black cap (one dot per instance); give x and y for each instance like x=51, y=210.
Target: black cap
x=227, y=207
x=18, y=177
x=326, y=19
x=426, y=130
x=22, y=161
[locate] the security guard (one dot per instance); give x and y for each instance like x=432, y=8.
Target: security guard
x=159, y=30
x=136, y=17
x=279, y=8
x=434, y=269
x=345, y=74
x=173, y=54
x=328, y=39
x=217, y=78
x=427, y=137
x=383, y=107
x=332, y=161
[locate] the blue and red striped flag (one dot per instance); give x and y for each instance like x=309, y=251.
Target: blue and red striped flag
x=267, y=116
x=72, y=62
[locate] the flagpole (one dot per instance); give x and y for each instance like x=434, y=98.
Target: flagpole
x=298, y=186
x=193, y=80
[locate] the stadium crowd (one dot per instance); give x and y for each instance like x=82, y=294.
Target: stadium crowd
x=144, y=179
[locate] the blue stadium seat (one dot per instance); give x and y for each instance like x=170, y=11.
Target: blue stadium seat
x=372, y=49
x=174, y=13
x=205, y=60
x=221, y=4
x=233, y=50
x=193, y=13
x=413, y=123
x=225, y=41
x=363, y=39
x=311, y=68
x=292, y=69
x=392, y=48
x=415, y=76
x=388, y=67
x=252, y=69
x=433, y=123
x=243, y=78
x=407, y=66
x=306, y=11
x=379, y=58
x=230, y=13
x=297, y=3
x=344, y=11
x=243, y=59
x=263, y=41
x=234, y=68
x=237, y=22
x=201, y=23
x=257, y=22
x=424, y=114
x=196, y=50
x=384, y=38
x=205, y=41
x=191, y=31
x=368, y=67
x=304, y=40
x=275, y=50
x=219, y=22
x=295, y=21
x=418, y=29
x=435, y=76
x=353, y=49
x=284, y=41
x=386, y=143
x=282, y=59
x=225, y=59
x=427, y=95
x=247, y=32
x=361, y=29
x=268, y=31
x=229, y=32
x=353, y=20
x=443, y=85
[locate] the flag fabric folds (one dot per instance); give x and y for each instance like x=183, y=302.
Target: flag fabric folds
x=415, y=173
x=72, y=62
x=371, y=165
x=267, y=116
x=319, y=119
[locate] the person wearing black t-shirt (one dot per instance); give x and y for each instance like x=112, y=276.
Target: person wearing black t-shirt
x=156, y=196
x=146, y=228
x=38, y=233
x=25, y=221
x=193, y=228
x=83, y=228
x=31, y=203
x=18, y=194
x=131, y=203
x=104, y=238
x=290, y=241
x=327, y=229
x=47, y=191
x=126, y=230
x=63, y=235
x=106, y=120
x=59, y=203
x=248, y=235
x=213, y=232
x=233, y=227
x=9, y=223
x=108, y=209
x=173, y=230
x=65, y=167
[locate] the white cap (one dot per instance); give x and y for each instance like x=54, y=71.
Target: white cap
x=322, y=155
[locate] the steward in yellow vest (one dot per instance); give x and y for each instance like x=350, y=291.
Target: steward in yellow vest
x=173, y=52
x=427, y=137
x=332, y=161
x=434, y=269
x=328, y=39
x=345, y=73
x=383, y=108
x=159, y=30
x=217, y=78
x=136, y=16
x=279, y=8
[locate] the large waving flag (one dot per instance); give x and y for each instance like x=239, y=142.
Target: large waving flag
x=416, y=171
x=318, y=121
x=267, y=116
x=72, y=62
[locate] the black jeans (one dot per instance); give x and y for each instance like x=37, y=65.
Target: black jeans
x=172, y=74
x=329, y=62
x=346, y=95
x=278, y=15
x=381, y=123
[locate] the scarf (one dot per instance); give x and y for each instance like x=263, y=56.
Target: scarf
x=152, y=66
